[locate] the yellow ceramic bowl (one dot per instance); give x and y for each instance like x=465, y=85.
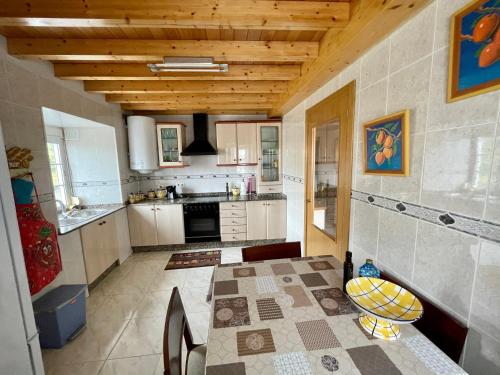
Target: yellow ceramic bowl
x=383, y=299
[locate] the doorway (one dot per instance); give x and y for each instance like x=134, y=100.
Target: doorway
x=329, y=145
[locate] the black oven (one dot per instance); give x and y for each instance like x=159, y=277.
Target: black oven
x=201, y=222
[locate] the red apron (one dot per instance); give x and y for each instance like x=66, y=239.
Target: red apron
x=40, y=247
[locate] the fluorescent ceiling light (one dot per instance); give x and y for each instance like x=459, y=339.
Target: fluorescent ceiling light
x=188, y=64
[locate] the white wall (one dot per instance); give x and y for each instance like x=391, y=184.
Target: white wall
x=202, y=175
x=455, y=167
x=26, y=86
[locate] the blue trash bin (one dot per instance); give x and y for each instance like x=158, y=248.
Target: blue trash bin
x=60, y=315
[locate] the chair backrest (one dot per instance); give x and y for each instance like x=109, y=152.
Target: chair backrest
x=176, y=326
x=447, y=333
x=273, y=251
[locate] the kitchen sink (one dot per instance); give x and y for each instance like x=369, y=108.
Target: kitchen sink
x=79, y=216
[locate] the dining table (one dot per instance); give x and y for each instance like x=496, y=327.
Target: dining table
x=291, y=317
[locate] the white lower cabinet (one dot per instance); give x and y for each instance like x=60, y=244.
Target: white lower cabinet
x=233, y=221
x=266, y=220
x=170, y=224
x=152, y=225
x=276, y=219
x=142, y=225
x=100, y=246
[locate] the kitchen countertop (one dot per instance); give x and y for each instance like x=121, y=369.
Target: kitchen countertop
x=62, y=230
x=215, y=199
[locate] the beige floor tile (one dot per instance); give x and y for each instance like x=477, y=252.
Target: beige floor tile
x=143, y=365
x=94, y=344
x=154, y=304
x=143, y=336
x=126, y=316
x=198, y=322
x=195, y=299
x=118, y=306
x=166, y=280
x=88, y=368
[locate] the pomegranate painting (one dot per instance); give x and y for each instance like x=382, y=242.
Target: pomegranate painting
x=386, y=145
x=476, y=49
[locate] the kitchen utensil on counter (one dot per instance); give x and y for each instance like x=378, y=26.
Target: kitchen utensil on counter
x=236, y=191
x=171, y=192
x=180, y=187
x=243, y=187
x=160, y=193
x=151, y=194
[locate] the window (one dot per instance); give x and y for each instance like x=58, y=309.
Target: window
x=58, y=169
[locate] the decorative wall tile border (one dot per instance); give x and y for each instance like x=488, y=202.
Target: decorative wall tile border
x=196, y=176
x=288, y=177
x=77, y=184
x=44, y=198
x=465, y=224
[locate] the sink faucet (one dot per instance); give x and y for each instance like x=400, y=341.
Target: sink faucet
x=62, y=208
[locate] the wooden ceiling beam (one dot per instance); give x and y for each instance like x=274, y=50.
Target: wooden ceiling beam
x=177, y=87
x=197, y=107
x=140, y=72
x=232, y=112
x=217, y=14
x=171, y=99
x=372, y=21
x=154, y=50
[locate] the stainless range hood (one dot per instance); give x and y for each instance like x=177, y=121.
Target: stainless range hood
x=200, y=145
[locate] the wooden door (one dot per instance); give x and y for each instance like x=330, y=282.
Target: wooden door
x=257, y=220
x=276, y=219
x=142, y=225
x=247, y=143
x=328, y=182
x=170, y=224
x=226, y=144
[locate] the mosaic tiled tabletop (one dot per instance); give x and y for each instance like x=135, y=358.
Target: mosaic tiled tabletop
x=290, y=317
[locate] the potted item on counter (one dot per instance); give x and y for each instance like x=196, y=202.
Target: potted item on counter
x=151, y=194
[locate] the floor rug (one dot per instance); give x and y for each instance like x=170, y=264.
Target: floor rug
x=193, y=259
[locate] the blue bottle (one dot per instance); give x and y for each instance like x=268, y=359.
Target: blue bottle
x=369, y=270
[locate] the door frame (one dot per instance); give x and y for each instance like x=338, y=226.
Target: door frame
x=321, y=113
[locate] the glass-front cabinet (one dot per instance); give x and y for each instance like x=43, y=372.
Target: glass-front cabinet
x=269, y=163
x=171, y=142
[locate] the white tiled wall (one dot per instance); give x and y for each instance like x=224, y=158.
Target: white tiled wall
x=455, y=166
x=26, y=86
x=93, y=162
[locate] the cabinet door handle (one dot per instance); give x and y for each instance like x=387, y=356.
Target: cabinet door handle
x=235, y=160
x=152, y=209
x=104, y=222
x=157, y=209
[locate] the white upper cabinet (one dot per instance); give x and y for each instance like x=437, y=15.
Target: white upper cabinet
x=227, y=144
x=247, y=143
x=171, y=143
x=269, y=151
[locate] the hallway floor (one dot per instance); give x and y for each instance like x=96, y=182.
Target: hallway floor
x=126, y=316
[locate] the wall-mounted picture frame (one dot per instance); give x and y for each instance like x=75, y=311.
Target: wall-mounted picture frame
x=386, y=146
x=474, y=66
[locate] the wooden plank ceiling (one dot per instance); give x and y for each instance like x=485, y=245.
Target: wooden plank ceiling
x=278, y=51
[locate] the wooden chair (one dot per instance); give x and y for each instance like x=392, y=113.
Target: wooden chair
x=176, y=326
x=447, y=333
x=273, y=251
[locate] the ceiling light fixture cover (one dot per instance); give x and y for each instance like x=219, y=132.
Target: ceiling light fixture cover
x=189, y=64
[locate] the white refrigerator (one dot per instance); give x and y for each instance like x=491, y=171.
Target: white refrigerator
x=20, y=352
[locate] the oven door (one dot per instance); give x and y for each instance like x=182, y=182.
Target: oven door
x=201, y=222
